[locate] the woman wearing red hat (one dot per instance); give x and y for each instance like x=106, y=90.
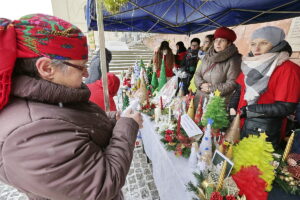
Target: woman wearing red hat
x=55, y=144
x=220, y=66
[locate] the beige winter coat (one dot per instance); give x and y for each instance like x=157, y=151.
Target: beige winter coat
x=227, y=66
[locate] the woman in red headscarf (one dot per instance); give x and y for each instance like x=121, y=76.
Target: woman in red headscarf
x=55, y=143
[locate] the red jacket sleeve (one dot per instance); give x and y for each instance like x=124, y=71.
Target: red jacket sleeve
x=287, y=87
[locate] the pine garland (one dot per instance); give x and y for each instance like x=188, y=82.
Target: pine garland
x=179, y=149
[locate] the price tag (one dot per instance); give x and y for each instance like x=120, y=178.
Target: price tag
x=189, y=126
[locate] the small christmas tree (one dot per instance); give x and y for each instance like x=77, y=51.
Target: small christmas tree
x=162, y=77
x=149, y=73
x=125, y=102
x=216, y=111
x=142, y=65
x=154, y=81
x=136, y=71
x=191, y=110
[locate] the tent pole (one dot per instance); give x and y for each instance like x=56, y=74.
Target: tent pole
x=103, y=69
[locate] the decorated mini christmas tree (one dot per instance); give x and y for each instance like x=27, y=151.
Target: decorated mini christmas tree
x=216, y=111
x=181, y=91
x=136, y=71
x=162, y=77
x=142, y=91
x=142, y=65
x=149, y=73
x=125, y=102
x=191, y=110
x=233, y=132
x=193, y=159
x=205, y=151
x=154, y=81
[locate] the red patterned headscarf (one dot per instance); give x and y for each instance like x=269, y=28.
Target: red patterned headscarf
x=34, y=36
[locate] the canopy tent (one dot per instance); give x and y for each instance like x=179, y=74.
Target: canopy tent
x=182, y=17
x=190, y=16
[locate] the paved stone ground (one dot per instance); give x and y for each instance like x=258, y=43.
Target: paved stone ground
x=139, y=182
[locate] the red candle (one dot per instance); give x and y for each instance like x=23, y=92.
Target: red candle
x=147, y=98
x=161, y=103
x=199, y=111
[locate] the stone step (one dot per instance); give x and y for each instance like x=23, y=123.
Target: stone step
x=132, y=52
x=128, y=61
x=128, y=57
x=113, y=69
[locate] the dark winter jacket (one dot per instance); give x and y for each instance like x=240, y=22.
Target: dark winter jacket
x=57, y=145
x=189, y=62
x=278, y=101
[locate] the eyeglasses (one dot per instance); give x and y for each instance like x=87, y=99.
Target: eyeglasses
x=80, y=67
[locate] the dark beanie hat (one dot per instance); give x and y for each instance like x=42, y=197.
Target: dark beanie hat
x=226, y=33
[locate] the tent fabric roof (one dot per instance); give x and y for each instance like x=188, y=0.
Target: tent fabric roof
x=191, y=16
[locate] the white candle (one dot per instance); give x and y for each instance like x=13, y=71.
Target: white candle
x=157, y=113
x=170, y=114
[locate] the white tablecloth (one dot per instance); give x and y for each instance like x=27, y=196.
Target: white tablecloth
x=171, y=174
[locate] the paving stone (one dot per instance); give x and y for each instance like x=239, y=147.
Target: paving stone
x=136, y=194
x=133, y=187
x=141, y=183
x=147, y=171
x=138, y=171
x=131, y=171
x=151, y=185
x=131, y=179
x=136, y=165
x=145, y=193
x=144, y=165
x=139, y=176
x=149, y=177
x=155, y=195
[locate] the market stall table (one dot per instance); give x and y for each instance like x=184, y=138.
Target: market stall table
x=171, y=173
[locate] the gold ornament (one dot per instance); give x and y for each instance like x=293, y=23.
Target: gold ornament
x=204, y=184
x=230, y=186
x=229, y=153
x=233, y=132
x=191, y=110
x=221, y=148
x=201, y=193
x=288, y=146
x=222, y=176
x=292, y=183
x=217, y=93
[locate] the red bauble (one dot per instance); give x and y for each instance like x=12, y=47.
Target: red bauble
x=168, y=138
x=216, y=196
